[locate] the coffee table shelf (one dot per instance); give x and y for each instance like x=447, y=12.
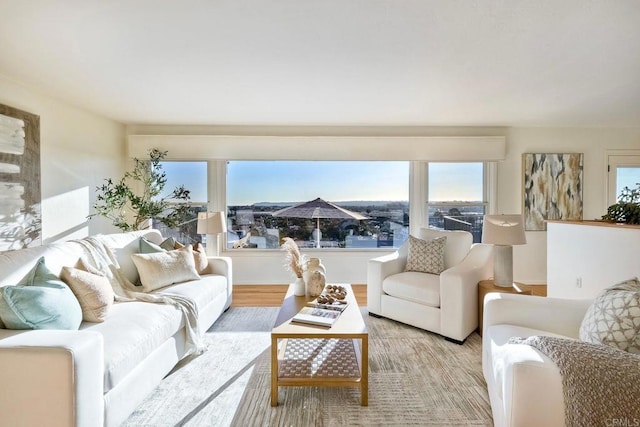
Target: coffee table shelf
x=305, y=355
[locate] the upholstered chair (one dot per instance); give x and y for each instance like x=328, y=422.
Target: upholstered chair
x=444, y=303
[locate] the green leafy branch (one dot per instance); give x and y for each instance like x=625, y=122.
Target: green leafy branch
x=627, y=209
x=127, y=210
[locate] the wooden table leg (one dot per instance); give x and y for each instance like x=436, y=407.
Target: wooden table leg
x=364, y=375
x=274, y=371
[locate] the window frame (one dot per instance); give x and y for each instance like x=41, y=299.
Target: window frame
x=489, y=189
x=191, y=202
x=613, y=160
x=418, y=197
x=222, y=200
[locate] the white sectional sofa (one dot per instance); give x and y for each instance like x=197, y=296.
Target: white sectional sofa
x=99, y=374
x=525, y=386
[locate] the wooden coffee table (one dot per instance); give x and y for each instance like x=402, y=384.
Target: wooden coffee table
x=305, y=355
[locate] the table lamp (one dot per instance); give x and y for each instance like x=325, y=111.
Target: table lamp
x=503, y=231
x=212, y=223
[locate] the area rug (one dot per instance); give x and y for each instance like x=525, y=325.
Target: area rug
x=206, y=390
x=415, y=378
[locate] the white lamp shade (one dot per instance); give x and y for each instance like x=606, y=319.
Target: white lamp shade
x=503, y=230
x=211, y=223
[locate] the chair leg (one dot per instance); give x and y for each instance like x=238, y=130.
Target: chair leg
x=377, y=316
x=454, y=341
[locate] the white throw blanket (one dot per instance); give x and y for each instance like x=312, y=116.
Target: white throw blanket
x=102, y=259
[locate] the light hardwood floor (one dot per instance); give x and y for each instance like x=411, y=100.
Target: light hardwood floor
x=272, y=295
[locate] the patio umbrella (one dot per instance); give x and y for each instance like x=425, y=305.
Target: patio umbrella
x=316, y=209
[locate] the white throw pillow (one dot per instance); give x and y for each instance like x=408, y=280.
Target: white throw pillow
x=426, y=256
x=614, y=317
x=161, y=269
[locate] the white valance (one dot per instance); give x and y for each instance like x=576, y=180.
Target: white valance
x=224, y=147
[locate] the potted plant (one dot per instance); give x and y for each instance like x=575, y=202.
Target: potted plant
x=627, y=209
x=129, y=209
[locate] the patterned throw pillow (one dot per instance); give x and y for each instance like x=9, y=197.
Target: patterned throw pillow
x=426, y=256
x=614, y=318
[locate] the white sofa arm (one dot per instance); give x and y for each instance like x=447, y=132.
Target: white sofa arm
x=377, y=270
x=52, y=378
x=223, y=266
x=556, y=315
x=459, y=292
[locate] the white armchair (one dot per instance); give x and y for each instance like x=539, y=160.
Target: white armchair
x=446, y=304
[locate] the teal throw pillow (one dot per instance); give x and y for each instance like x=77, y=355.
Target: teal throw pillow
x=39, y=301
x=147, y=247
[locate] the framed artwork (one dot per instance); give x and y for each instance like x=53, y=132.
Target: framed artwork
x=552, y=188
x=20, y=214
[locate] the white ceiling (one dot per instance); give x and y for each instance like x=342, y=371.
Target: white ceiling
x=332, y=62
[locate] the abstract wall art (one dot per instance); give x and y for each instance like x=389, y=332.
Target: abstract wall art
x=552, y=188
x=20, y=214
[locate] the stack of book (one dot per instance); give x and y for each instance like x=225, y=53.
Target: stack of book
x=319, y=314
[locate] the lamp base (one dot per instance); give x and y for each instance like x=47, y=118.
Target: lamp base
x=212, y=244
x=503, y=265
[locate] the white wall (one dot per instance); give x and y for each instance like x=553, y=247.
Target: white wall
x=530, y=261
x=78, y=150
x=583, y=259
x=263, y=267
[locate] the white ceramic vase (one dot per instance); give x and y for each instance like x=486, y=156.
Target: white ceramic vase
x=316, y=283
x=299, y=289
x=312, y=266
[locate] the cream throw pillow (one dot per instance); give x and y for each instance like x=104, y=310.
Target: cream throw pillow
x=199, y=256
x=426, y=256
x=162, y=269
x=614, y=317
x=94, y=293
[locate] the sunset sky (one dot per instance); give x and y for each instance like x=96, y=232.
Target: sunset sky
x=251, y=182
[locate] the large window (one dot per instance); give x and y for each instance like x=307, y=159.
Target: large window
x=457, y=196
x=193, y=175
x=369, y=200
